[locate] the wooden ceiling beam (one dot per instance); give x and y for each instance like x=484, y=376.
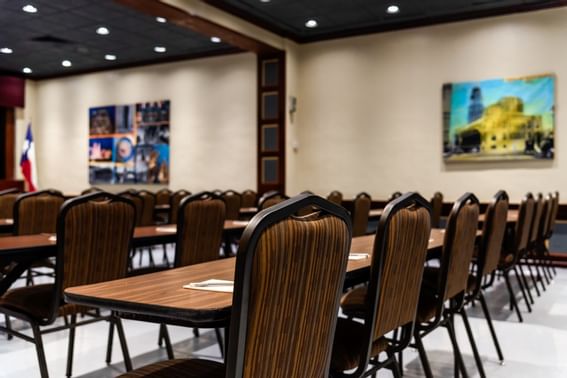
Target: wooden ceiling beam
x=198, y=24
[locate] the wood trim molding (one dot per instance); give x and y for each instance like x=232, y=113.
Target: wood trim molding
x=198, y=24
x=9, y=138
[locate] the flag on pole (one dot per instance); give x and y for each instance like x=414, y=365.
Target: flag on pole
x=27, y=162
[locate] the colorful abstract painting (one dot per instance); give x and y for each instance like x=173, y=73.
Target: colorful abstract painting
x=129, y=144
x=502, y=119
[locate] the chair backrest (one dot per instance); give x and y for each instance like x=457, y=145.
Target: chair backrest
x=163, y=196
x=335, y=197
x=200, y=224
x=553, y=214
x=536, y=220
x=138, y=202
x=289, y=277
x=7, y=200
x=175, y=200
x=36, y=212
x=361, y=208
x=545, y=221
x=523, y=225
x=232, y=201
x=248, y=198
x=398, y=260
x=94, y=233
x=92, y=189
x=493, y=231
x=436, y=209
x=395, y=195
x=457, y=253
x=270, y=199
x=148, y=207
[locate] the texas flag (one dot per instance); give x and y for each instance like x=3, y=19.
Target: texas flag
x=27, y=162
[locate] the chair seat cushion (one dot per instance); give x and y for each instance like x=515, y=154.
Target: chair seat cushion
x=348, y=345
x=179, y=368
x=353, y=302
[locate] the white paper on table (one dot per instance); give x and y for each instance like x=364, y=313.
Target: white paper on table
x=9, y=221
x=222, y=286
x=240, y=223
x=52, y=238
x=358, y=256
x=171, y=229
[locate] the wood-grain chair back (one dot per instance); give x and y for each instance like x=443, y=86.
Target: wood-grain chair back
x=94, y=233
x=493, y=232
x=7, y=200
x=545, y=220
x=232, y=200
x=289, y=276
x=36, y=212
x=436, y=209
x=148, y=207
x=138, y=202
x=163, y=196
x=536, y=220
x=361, y=208
x=199, y=228
x=523, y=225
x=457, y=253
x=335, y=197
x=92, y=189
x=248, y=198
x=553, y=214
x=176, y=198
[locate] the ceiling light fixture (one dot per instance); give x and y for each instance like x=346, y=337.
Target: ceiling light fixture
x=161, y=20
x=110, y=57
x=66, y=63
x=27, y=70
x=311, y=23
x=160, y=49
x=393, y=9
x=216, y=40
x=29, y=8
x=6, y=50
x=103, y=30
x=265, y=1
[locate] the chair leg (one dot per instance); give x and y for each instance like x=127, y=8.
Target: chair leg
x=491, y=328
x=476, y=355
x=396, y=369
x=40, y=351
x=165, y=335
x=456, y=349
x=423, y=356
x=110, y=342
x=534, y=280
x=151, y=257
x=71, y=345
x=164, y=258
x=123, y=344
x=196, y=332
x=523, y=287
x=220, y=341
x=524, y=280
x=513, y=302
x=8, y=327
x=542, y=279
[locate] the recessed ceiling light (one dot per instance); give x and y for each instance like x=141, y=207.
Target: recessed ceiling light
x=160, y=49
x=161, y=20
x=6, y=50
x=110, y=57
x=311, y=23
x=66, y=63
x=265, y=1
x=216, y=40
x=102, y=30
x=27, y=70
x=393, y=9
x=29, y=8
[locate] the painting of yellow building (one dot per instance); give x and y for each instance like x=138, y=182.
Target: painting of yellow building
x=506, y=119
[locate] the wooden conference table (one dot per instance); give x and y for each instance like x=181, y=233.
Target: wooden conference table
x=22, y=250
x=161, y=297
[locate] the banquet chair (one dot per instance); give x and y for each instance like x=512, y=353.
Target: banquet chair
x=93, y=239
x=176, y=198
x=335, y=197
x=361, y=208
x=7, y=200
x=249, y=198
x=395, y=195
x=270, y=199
x=390, y=300
x=436, y=209
x=92, y=189
x=232, y=201
x=485, y=265
x=163, y=196
x=285, y=265
x=444, y=287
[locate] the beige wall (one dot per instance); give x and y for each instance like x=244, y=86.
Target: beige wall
x=369, y=108
x=213, y=120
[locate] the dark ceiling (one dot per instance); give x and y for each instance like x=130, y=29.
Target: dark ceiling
x=66, y=30
x=339, y=18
